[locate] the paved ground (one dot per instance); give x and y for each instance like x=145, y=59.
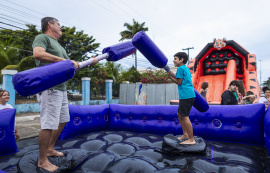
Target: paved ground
x=28, y=124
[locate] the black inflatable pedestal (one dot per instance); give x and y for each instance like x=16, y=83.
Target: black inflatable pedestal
x=171, y=145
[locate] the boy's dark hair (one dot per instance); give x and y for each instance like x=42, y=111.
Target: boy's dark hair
x=204, y=85
x=181, y=55
x=250, y=93
x=265, y=89
x=234, y=82
x=2, y=92
x=44, y=23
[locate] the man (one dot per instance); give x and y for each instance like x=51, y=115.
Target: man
x=228, y=97
x=53, y=102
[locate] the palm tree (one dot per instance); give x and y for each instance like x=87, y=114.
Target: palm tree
x=131, y=31
x=9, y=53
x=113, y=71
x=267, y=82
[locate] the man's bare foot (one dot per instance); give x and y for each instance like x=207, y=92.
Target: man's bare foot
x=47, y=166
x=189, y=142
x=182, y=137
x=54, y=153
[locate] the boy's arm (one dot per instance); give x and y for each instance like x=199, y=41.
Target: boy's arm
x=171, y=75
x=178, y=81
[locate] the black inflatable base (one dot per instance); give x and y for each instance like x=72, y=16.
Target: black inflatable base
x=171, y=145
x=128, y=152
x=71, y=159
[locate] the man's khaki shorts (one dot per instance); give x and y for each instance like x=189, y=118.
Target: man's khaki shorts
x=54, y=108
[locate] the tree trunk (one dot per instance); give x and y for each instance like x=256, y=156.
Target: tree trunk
x=135, y=59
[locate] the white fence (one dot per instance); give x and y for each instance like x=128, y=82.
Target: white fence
x=148, y=94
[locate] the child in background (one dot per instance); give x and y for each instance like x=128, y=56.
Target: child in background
x=186, y=96
x=266, y=98
x=203, y=91
x=241, y=91
x=4, y=98
x=249, y=98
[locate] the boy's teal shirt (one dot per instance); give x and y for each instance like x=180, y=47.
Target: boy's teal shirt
x=186, y=88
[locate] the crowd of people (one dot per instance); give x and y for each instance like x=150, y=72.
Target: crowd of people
x=235, y=94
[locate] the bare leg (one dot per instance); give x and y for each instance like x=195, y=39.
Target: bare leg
x=43, y=162
x=189, y=127
x=185, y=134
x=53, y=139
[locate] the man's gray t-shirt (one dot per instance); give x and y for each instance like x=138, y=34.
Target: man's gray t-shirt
x=51, y=46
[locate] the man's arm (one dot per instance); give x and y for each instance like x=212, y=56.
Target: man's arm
x=40, y=54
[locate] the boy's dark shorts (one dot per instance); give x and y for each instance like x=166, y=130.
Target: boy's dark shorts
x=185, y=106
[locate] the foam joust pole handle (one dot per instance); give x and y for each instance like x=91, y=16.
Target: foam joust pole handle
x=33, y=81
x=112, y=53
x=157, y=58
x=90, y=61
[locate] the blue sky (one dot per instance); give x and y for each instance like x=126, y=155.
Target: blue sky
x=173, y=24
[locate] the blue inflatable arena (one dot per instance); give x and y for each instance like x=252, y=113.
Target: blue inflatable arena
x=130, y=138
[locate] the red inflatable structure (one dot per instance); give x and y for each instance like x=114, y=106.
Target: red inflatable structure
x=219, y=63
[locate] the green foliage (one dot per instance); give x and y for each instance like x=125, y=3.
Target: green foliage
x=22, y=38
x=12, y=67
x=267, y=82
x=113, y=71
x=159, y=76
x=132, y=29
x=8, y=53
x=77, y=44
x=27, y=63
x=131, y=75
x=98, y=76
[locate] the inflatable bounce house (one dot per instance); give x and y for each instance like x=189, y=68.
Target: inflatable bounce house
x=219, y=63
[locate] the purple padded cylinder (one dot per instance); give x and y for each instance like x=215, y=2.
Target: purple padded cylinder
x=149, y=49
x=119, y=51
x=200, y=103
x=266, y=123
x=7, y=136
x=33, y=81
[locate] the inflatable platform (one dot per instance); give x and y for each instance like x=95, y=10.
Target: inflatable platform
x=219, y=63
x=138, y=138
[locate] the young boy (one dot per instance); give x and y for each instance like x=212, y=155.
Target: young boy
x=186, y=96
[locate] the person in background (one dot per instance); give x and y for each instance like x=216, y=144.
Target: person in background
x=266, y=98
x=241, y=91
x=228, y=97
x=203, y=91
x=249, y=98
x=4, y=98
